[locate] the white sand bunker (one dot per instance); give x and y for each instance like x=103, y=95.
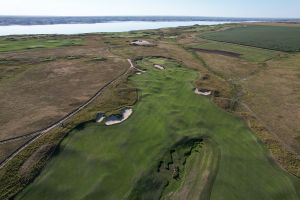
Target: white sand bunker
x=116, y=119
x=140, y=43
x=159, y=67
x=203, y=92
x=100, y=117
x=139, y=73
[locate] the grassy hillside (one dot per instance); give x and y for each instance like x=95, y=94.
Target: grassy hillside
x=100, y=161
x=269, y=37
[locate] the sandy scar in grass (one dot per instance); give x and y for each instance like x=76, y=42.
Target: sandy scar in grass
x=100, y=117
x=202, y=92
x=140, y=43
x=116, y=120
x=159, y=67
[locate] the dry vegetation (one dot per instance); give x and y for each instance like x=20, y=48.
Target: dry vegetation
x=51, y=89
x=274, y=96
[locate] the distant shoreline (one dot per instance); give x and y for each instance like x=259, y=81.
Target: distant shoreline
x=51, y=20
x=107, y=27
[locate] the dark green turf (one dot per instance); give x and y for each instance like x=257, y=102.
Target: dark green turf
x=101, y=162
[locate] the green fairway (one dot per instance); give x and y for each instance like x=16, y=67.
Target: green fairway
x=7, y=44
x=106, y=162
x=269, y=37
x=248, y=53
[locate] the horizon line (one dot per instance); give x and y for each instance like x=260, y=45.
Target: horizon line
x=196, y=16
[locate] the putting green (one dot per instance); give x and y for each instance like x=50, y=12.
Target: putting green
x=105, y=162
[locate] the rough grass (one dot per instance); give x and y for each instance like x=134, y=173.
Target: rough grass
x=46, y=91
x=248, y=53
x=10, y=147
x=99, y=161
x=32, y=43
x=268, y=37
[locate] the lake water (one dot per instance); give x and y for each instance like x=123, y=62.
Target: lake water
x=94, y=28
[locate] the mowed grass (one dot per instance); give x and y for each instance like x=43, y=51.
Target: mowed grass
x=279, y=38
x=248, y=53
x=7, y=44
x=105, y=162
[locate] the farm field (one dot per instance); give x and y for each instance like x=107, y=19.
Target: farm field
x=280, y=38
x=96, y=156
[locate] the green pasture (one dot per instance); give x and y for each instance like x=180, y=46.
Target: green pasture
x=280, y=38
x=105, y=162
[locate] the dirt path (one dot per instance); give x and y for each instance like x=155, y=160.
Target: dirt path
x=132, y=66
x=39, y=133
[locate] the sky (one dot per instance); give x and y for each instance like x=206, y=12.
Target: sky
x=214, y=8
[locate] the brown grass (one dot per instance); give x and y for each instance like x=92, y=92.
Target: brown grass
x=10, y=147
x=229, y=68
x=274, y=96
x=50, y=90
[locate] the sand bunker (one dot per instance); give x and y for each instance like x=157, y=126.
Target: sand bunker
x=139, y=73
x=100, y=117
x=203, y=92
x=159, y=67
x=116, y=119
x=140, y=43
